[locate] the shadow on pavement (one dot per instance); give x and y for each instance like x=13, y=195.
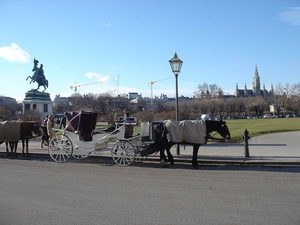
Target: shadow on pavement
x=153, y=163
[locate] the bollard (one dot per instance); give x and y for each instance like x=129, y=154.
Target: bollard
x=246, y=138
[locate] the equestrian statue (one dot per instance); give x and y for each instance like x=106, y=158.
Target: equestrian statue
x=38, y=75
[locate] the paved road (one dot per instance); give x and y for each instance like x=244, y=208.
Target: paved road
x=100, y=192
x=37, y=190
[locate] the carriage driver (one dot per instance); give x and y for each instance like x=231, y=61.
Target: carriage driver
x=45, y=137
x=50, y=125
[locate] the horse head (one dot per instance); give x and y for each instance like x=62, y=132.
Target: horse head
x=218, y=126
x=224, y=131
x=36, y=129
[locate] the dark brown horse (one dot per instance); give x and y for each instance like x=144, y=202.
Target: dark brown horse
x=162, y=143
x=27, y=129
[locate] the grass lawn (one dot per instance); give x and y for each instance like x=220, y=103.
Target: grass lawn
x=257, y=127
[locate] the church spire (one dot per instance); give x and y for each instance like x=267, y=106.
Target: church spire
x=256, y=82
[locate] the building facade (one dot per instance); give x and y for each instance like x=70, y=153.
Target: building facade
x=256, y=88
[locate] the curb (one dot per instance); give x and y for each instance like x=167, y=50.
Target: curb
x=232, y=162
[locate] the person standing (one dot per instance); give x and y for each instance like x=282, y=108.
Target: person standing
x=45, y=136
x=50, y=125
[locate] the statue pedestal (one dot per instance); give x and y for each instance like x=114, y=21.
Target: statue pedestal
x=39, y=101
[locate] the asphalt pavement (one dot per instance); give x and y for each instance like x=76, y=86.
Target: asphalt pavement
x=270, y=149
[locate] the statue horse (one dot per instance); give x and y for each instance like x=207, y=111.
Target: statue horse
x=163, y=137
x=38, y=75
x=42, y=81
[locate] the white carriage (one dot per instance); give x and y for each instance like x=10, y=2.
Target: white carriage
x=79, y=138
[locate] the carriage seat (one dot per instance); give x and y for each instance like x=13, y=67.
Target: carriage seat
x=105, y=130
x=85, y=136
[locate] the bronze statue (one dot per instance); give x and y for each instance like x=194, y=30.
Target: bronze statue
x=38, y=75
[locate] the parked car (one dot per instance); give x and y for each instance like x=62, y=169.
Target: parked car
x=205, y=117
x=267, y=116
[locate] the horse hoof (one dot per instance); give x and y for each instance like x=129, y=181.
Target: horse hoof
x=164, y=164
x=195, y=166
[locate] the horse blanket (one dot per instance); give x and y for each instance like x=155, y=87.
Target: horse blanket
x=188, y=131
x=10, y=131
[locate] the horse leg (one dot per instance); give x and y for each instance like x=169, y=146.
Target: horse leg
x=170, y=156
x=27, y=153
x=23, y=147
x=13, y=149
x=195, y=156
x=162, y=156
x=7, y=150
x=16, y=146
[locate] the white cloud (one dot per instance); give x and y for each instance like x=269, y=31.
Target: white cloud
x=292, y=16
x=237, y=64
x=14, y=53
x=99, y=77
x=108, y=25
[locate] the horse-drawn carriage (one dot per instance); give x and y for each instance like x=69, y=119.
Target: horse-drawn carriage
x=79, y=138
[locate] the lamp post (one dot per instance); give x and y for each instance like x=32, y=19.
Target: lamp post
x=176, y=64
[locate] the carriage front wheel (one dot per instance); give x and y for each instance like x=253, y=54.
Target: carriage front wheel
x=60, y=148
x=123, y=153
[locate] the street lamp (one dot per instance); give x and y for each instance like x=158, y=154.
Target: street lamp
x=176, y=64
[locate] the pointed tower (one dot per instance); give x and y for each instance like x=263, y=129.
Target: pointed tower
x=256, y=82
x=236, y=90
x=272, y=89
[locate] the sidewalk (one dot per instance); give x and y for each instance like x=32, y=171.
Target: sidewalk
x=271, y=149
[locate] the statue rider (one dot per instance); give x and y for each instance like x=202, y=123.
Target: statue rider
x=35, y=70
x=41, y=75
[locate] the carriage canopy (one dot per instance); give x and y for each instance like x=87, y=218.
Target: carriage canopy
x=82, y=122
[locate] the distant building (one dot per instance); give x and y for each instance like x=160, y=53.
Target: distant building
x=4, y=99
x=256, y=89
x=132, y=95
x=60, y=100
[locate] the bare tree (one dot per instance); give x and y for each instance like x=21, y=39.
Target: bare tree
x=208, y=91
x=30, y=115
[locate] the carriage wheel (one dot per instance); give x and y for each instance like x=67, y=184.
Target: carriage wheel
x=77, y=154
x=60, y=148
x=123, y=153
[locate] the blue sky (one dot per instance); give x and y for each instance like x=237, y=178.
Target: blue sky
x=88, y=41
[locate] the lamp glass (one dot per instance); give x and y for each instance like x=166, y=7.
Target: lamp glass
x=175, y=64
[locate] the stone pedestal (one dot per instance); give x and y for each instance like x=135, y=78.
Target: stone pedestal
x=39, y=101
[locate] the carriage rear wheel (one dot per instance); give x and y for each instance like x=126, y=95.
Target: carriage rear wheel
x=123, y=153
x=60, y=148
